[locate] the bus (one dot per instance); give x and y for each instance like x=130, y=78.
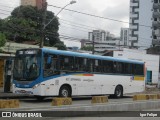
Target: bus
x=44, y=72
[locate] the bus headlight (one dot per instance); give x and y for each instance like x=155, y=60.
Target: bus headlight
x=36, y=86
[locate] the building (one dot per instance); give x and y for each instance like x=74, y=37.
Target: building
x=151, y=61
x=102, y=41
x=100, y=47
x=144, y=23
x=156, y=23
x=97, y=35
x=36, y=3
x=124, y=36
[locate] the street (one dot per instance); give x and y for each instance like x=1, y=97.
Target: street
x=32, y=103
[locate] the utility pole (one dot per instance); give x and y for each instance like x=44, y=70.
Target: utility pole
x=44, y=25
x=93, y=44
x=44, y=8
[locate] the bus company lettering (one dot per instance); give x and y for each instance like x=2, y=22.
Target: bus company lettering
x=89, y=80
x=75, y=79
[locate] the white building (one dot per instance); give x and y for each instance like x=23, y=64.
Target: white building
x=124, y=36
x=144, y=22
x=152, y=62
x=103, y=46
x=156, y=22
x=97, y=35
x=102, y=41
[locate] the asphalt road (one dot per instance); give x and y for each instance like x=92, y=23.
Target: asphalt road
x=31, y=104
x=46, y=103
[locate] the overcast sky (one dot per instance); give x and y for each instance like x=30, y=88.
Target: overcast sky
x=78, y=25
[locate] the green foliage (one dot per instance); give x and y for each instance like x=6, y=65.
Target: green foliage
x=2, y=39
x=87, y=48
x=26, y=22
x=60, y=46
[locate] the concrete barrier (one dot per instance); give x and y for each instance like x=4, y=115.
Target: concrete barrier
x=146, y=97
x=153, y=96
x=9, y=103
x=99, y=99
x=158, y=96
x=61, y=101
x=140, y=97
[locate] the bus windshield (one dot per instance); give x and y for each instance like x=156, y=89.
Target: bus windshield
x=26, y=67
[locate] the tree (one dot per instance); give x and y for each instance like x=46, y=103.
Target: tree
x=87, y=48
x=60, y=46
x=2, y=39
x=26, y=22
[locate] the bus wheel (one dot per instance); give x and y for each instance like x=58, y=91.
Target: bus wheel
x=65, y=91
x=118, y=93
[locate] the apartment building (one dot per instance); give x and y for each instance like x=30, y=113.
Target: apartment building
x=36, y=3
x=144, y=23
x=124, y=37
x=156, y=22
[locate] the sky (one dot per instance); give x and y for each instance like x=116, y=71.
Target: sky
x=77, y=25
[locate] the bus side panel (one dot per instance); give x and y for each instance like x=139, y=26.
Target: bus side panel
x=90, y=84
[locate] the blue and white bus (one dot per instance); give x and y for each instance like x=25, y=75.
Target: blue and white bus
x=44, y=72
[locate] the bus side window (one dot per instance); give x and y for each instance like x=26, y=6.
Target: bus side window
x=107, y=66
x=50, y=64
x=99, y=67
x=88, y=65
x=138, y=69
x=96, y=66
x=119, y=67
x=127, y=68
x=80, y=64
x=66, y=63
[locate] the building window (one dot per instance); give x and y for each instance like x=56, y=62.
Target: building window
x=155, y=19
x=154, y=37
x=155, y=1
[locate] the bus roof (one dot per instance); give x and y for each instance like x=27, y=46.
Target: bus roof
x=76, y=54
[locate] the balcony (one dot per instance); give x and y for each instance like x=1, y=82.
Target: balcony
x=134, y=4
x=156, y=14
x=156, y=24
x=156, y=32
x=133, y=15
x=156, y=41
x=156, y=5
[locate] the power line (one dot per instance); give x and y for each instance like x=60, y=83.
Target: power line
x=96, y=16
x=77, y=23
x=69, y=35
x=92, y=15
x=76, y=26
x=6, y=6
x=5, y=10
x=4, y=13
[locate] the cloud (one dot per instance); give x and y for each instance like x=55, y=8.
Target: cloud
x=7, y=6
x=115, y=9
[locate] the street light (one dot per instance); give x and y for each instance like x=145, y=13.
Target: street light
x=45, y=25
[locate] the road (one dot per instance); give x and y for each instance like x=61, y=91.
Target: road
x=46, y=103
x=31, y=104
